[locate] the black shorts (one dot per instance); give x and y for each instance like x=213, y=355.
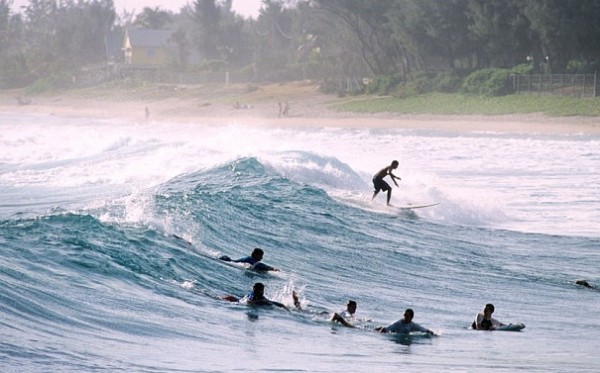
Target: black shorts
x=380, y=184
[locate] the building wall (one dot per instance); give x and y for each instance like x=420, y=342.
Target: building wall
x=149, y=56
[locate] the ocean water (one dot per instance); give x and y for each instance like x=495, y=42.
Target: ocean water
x=93, y=277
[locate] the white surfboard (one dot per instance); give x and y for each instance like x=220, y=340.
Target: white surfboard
x=412, y=207
x=516, y=327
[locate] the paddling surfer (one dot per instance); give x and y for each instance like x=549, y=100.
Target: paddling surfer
x=585, y=284
x=405, y=325
x=254, y=298
x=254, y=260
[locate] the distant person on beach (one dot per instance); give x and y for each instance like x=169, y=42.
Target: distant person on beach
x=283, y=109
x=254, y=260
x=147, y=113
x=405, y=325
x=286, y=109
x=484, y=320
x=254, y=298
x=346, y=317
x=380, y=184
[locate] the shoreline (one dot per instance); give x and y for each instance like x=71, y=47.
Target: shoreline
x=306, y=110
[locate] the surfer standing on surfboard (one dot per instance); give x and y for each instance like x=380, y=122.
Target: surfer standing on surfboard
x=380, y=184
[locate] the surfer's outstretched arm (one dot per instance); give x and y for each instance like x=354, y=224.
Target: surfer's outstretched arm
x=337, y=318
x=229, y=298
x=280, y=305
x=394, y=177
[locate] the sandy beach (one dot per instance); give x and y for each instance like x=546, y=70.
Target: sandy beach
x=307, y=107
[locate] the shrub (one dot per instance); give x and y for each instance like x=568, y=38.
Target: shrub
x=383, y=84
x=329, y=85
x=582, y=67
x=212, y=66
x=51, y=83
x=524, y=68
x=447, y=82
x=487, y=82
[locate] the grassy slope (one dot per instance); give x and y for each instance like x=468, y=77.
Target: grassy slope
x=438, y=103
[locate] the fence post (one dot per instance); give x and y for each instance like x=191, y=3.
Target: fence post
x=514, y=79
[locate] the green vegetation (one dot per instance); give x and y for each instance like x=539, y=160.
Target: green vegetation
x=415, y=50
x=458, y=104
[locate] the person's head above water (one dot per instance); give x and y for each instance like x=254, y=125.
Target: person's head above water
x=488, y=309
x=408, y=315
x=351, y=307
x=258, y=288
x=257, y=254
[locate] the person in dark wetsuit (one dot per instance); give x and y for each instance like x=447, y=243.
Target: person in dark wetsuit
x=254, y=298
x=484, y=320
x=254, y=260
x=380, y=184
x=585, y=284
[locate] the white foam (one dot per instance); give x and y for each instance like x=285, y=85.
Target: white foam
x=530, y=183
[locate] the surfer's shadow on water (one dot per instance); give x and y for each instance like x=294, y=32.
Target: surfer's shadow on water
x=252, y=315
x=405, y=214
x=256, y=274
x=410, y=339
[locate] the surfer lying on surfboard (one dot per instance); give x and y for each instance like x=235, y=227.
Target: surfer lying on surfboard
x=485, y=321
x=254, y=298
x=254, y=260
x=405, y=325
x=380, y=184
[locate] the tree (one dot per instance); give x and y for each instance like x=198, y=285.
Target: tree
x=562, y=30
x=499, y=32
x=390, y=38
x=153, y=18
x=434, y=32
x=274, y=40
x=13, y=68
x=206, y=35
x=62, y=36
x=368, y=24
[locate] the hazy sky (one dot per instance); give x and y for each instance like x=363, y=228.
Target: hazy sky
x=247, y=8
